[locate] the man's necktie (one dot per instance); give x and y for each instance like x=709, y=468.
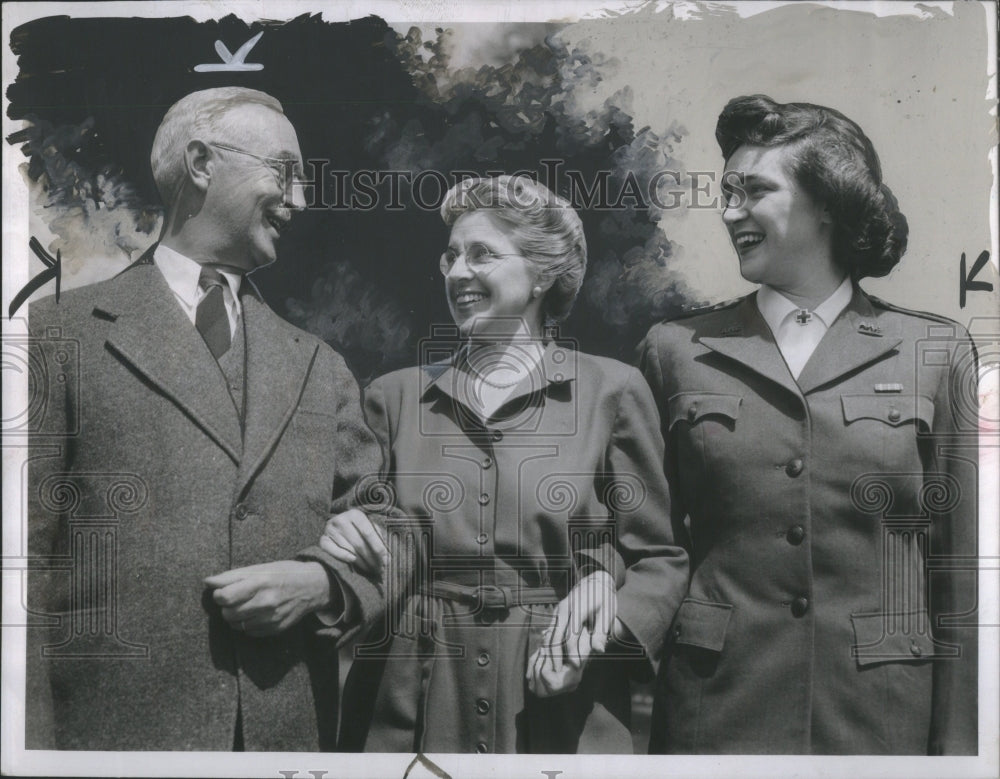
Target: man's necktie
x=211, y=318
x=802, y=334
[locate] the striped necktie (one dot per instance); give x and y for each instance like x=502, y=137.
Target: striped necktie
x=211, y=318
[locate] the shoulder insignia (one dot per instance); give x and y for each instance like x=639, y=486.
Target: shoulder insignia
x=705, y=309
x=910, y=312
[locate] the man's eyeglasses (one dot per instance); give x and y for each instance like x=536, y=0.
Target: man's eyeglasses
x=479, y=258
x=286, y=169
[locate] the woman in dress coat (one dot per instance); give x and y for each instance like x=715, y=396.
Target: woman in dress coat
x=523, y=473
x=821, y=448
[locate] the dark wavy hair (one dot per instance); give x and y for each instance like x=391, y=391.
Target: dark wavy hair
x=832, y=159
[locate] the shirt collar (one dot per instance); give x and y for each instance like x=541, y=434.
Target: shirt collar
x=775, y=307
x=182, y=274
x=557, y=365
x=830, y=308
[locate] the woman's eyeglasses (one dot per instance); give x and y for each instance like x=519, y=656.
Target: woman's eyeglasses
x=285, y=169
x=478, y=257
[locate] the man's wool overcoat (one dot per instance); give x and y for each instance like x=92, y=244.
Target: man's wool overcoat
x=142, y=483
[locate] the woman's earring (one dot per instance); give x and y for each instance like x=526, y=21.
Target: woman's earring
x=536, y=291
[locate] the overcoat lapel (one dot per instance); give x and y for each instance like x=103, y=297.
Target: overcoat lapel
x=854, y=340
x=745, y=337
x=151, y=332
x=277, y=367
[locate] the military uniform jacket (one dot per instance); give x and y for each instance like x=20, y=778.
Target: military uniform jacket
x=142, y=484
x=832, y=531
x=569, y=467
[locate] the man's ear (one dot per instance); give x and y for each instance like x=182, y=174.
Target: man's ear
x=198, y=165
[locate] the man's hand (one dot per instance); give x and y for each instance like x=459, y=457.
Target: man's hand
x=266, y=599
x=353, y=539
x=583, y=621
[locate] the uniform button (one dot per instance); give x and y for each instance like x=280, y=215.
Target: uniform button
x=794, y=467
x=487, y=463
x=483, y=706
x=498, y=435
x=799, y=607
x=677, y=632
x=242, y=512
x=894, y=415
x=482, y=538
x=484, y=499
x=915, y=650
x=483, y=660
x=795, y=535
x=693, y=412
x=482, y=747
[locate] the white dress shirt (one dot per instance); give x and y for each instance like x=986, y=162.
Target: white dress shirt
x=798, y=341
x=182, y=273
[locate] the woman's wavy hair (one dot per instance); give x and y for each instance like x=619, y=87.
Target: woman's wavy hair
x=544, y=226
x=832, y=159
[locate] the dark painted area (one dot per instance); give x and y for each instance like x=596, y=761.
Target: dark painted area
x=359, y=96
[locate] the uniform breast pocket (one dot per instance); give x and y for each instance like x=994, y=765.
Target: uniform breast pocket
x=885, y=428
x=703, y=425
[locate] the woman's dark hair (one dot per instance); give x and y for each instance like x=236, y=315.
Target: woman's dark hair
x=832, y=159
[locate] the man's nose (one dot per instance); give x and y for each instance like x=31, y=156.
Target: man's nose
x=295, y=196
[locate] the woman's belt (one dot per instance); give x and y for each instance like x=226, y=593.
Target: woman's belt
x=492, y=596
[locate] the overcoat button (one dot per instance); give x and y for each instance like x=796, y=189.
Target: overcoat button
x=794, y=467
x=242, y=512
x=795, y=535
x=915, y=650
x=487, y=463
x=498, y=435
x=894, y=415
x=693, y=412
x=483, y=706
x=484, y=499
x=483, y=660
x=799, y=607
x=677, y=632
x=482, y=747
x=482, y=538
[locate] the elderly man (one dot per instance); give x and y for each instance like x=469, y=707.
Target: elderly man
x=192, y=450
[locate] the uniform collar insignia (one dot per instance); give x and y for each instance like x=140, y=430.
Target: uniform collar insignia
x=732, y=330
x=869, y=328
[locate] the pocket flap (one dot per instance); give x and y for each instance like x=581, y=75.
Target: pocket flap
x=702, y=623
x=891, y=638
x=692, y=406
x=894, y=410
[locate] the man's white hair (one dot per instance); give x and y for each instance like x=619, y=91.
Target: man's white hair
x=199, y=115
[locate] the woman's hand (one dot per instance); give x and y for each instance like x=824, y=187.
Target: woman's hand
x=352, y=538
x=583, y=621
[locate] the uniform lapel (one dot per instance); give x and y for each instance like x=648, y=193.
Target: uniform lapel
x=151, y=332
x=744, y=336
x=854, y=340
x=277, y=366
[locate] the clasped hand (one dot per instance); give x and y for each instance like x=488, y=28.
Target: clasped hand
x=352, y=538
x=266, y=599
x=582, y=624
